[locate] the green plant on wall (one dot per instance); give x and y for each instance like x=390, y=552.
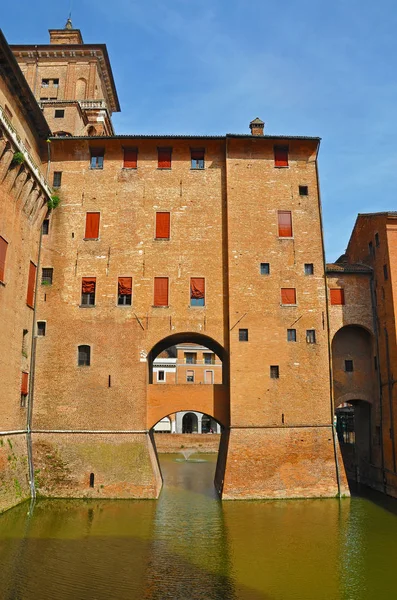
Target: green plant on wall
x=18, y=158
x=53, y=202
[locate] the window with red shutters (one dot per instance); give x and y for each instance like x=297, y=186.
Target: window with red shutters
x=88, y=287
x=3, y=253
x=25, y=383
x=124, y=291
x=31, y=284
x=92, y=226
x=197, y=291
x=162, y=225
x=164, y=158
x=130, y=158
x=161, y=291
x=288, y=296
x=284, y=223
x=281, y=156
x=337, y=296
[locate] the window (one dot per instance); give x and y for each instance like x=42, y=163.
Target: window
x=59, y=113
x=162, y=225
x=161, y=291
x=46, y=226
x=281, y=156
x=124, y=291
x=41, y=327
x=197, y=291
x=288, y=296
x=274, y=372
x=46, y=276
x=55, y=82
x=243, y=335
x=160, y=376
x=3, y=253
x=164, y=158
x=209, y=359
x=209, y=377
x=311, y=336
x=25, y=343
x=309, y=269
x=377, y=239
x=24, y=384
x=337, y=296
x=57, y=179
x=265, y=268
x=385, y=272
x=284, y=223
x=45, y=82
x=84, y=356
x=197, y=157
x=371, y=249
x=349, y=366
x=291, y=335
x=97, y=156
x=31, y=284
x=190, y=376
x=92, y=225
x=303, y=190
x=190, y=358
x=130, y=158
x=88, y=286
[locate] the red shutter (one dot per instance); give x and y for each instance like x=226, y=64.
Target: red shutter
x=31, y=283
x=3, y=252
x=161, y=291
x=130, y=158
x=284, y=223
x=197, y=287
x=197, y=154
x=125, y=286
x=281, y=156
x=92, y=225
x=162, y=225
x=288, y=296
x=337, y=296
x=25, y=383
x=164, y=159
x=88, y=285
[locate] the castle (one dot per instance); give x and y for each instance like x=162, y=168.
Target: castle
x=166, y=240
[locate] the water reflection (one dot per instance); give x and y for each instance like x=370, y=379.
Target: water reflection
x=190, y=546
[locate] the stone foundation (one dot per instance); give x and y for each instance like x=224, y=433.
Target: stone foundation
x=14, y=472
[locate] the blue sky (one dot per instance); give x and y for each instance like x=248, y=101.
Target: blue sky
x=305, y=67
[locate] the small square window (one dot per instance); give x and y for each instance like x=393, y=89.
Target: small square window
x=41, y=328
x=197, y=158
x=84, y=356
x=303, y=190
x=45, y=82
x=274, y=372
x=309, y=268
x=349, y=366
x=311, y=336
x=97, y=158
x=55, y=82
x=164, y=158
x=337, y=296
x=243, y=335
x=46, y=276
x=57, y=179
x=265, y=268
x=377, y=239
x=59, y=113
x=209, y=359
x=385, y=272
x=288, y=296
x=190, y=358
x=190, y=376
x=46, y=226
x=291, y=335
x=160, y=376
x=281, y=156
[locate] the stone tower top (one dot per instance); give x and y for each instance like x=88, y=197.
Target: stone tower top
x=257, y=126
x=67, y=35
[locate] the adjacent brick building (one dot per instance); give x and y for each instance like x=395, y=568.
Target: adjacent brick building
x=162, y=241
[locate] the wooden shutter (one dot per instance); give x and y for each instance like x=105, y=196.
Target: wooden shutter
x=31, y=284
x=130, y=158
x=337, y=296
x=88, y=285
x=288, y=296
x=3, y=252
x=162, y=225
x=25, y=383
x=281, y=156
x=125, y=286
x=197, y=287
x=164, y=158
x=161, y=291
x=284, y=223
x=92, y=225
x=209, y=377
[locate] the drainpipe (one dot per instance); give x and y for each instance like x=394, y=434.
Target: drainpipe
x=331, y=385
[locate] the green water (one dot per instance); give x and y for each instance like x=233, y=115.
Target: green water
x=190, y=546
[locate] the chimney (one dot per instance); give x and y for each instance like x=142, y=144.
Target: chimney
x=257, y=127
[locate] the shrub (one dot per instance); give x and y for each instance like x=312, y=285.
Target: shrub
x=53, y=202
x=18, y=158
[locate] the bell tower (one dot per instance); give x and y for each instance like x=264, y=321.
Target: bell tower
x=72, y=82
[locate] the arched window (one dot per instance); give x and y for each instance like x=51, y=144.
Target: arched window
x=84, y=358
x=81, y=87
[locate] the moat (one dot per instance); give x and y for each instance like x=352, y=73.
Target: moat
x=190, y=546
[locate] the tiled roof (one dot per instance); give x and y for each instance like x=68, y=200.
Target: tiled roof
x=347, y=268
x=186, y=137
